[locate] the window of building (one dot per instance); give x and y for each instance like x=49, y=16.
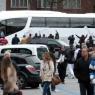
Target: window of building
x=71, y=4
x=48, y=3
x=38, y=3
x=19, y=3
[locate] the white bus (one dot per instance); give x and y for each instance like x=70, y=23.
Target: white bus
x=46, y=22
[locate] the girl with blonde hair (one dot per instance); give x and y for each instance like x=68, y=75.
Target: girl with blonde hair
x=8, y=75
x=47, y=70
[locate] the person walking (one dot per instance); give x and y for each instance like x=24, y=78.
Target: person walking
x=47, y=70
x=8, y=75
x=62, y=65
x=15, y=40
x=81, y=71
x=70, y=61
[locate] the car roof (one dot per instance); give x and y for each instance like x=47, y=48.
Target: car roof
x=45, y=41
x=27, y=46
x=20, y=55
x=40, y=41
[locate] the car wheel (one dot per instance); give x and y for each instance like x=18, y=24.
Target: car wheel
x=34, y=85
x=21, y=82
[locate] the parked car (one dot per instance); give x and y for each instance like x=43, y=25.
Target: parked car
x=28, y=68
x=33, y=49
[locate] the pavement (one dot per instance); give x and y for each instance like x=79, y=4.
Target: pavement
x=70, y=87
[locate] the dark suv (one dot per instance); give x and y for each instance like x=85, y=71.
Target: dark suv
x=28, y=69
x=54, y=45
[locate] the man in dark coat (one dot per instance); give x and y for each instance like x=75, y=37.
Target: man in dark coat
x=71, y=40
x=15, y=39
x=81, y=71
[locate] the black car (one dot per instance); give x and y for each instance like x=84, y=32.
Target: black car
x=28, y=69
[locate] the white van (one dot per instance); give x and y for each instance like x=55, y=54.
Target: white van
x=34, y=49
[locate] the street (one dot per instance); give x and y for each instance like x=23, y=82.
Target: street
x=69, y=88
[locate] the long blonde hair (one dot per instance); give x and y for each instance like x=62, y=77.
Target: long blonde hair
x=5, y=64
x=47, y=58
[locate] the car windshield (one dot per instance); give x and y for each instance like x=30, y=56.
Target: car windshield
x=40, y=52
x=32, y=59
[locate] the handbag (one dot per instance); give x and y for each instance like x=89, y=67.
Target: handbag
x=56, y=80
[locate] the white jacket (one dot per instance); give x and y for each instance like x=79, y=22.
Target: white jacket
x=47, y=71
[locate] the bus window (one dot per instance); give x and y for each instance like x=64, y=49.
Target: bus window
x=37, y=22
x=62, y=22
x=82, y=22
x=57, y=22
x=49, y=22
x=13, y=25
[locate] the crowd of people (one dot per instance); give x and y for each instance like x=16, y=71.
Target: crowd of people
x=27, y=39
x=80, y=61
x=83, y=61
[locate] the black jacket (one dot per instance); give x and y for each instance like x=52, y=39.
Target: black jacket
x=71, y=40
x=81, y=70
x=15, y=40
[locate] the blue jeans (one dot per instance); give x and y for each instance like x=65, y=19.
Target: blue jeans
x=46, y=88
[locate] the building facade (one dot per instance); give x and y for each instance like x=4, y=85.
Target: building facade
x=68, y=6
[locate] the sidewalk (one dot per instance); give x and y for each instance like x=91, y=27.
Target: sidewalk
x=69, y=88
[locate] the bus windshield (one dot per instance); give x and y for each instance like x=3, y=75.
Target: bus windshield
x=10, y=26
